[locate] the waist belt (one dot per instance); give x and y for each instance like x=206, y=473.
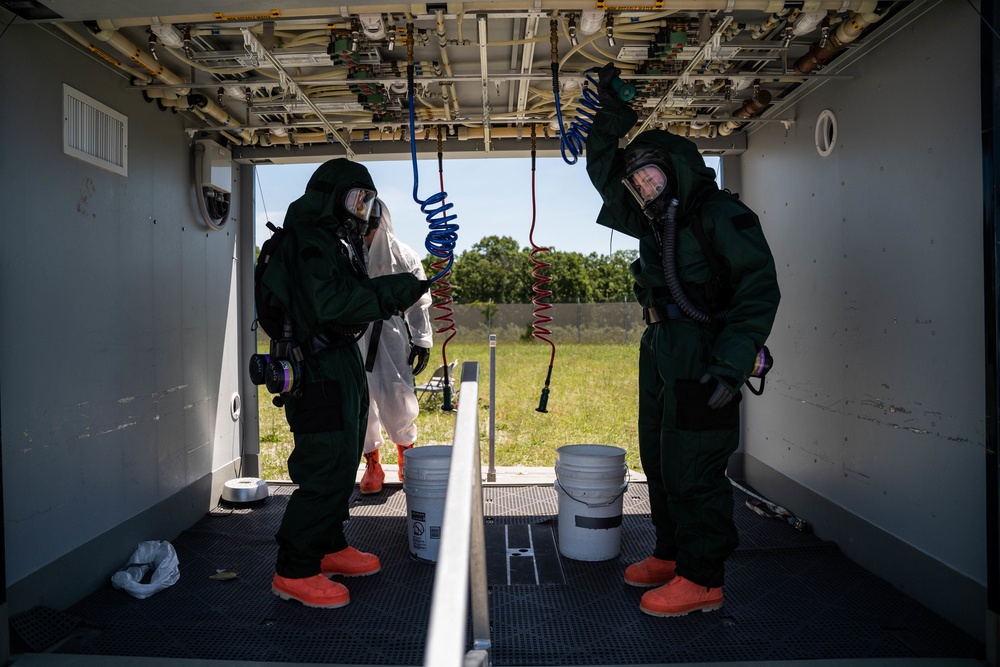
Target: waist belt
x=670, y=311
x=330, y=339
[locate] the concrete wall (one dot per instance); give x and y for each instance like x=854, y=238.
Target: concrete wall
x=875, y=406
x=118, y=341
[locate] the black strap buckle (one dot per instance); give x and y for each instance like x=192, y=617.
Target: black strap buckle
x=655, y=314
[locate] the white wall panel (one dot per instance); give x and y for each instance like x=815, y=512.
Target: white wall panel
x=118, y=310
x=877, y=396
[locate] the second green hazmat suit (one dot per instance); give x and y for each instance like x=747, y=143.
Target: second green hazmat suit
x=684, y=444
x=317, y=275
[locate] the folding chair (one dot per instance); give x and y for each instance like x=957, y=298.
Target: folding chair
x=436, y=383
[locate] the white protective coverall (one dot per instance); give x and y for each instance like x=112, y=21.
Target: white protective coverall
x=393, y=402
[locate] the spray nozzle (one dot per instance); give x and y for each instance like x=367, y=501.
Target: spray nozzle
x=543, y=401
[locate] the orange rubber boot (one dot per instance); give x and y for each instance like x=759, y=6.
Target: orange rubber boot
x=679, y=597
x=371, y=481
x=399, y=450
x=650, y=572
x=350, y=562
x=315, y=591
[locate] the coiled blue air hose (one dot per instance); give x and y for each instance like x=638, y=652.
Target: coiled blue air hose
x=443, y=234
x=575, y=138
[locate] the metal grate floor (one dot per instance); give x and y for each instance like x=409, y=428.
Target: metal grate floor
x=789, y=596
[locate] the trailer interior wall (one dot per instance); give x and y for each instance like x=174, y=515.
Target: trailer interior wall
x=119, y=340
x=872, y=424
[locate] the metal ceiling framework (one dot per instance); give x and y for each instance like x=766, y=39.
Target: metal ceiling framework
x=332, y=79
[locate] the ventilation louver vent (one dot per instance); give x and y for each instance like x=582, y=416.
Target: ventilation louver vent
x=94, y=133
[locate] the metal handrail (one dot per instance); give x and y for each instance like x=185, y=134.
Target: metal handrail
x=462, y=552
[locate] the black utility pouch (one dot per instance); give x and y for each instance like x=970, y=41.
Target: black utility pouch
x=693, y=413
x=318, y=410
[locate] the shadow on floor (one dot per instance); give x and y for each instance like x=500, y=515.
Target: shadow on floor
x=789, y=596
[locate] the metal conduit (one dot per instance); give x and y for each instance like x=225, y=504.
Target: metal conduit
x=462, y=552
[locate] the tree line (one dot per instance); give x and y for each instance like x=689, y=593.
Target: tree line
x=496, y=269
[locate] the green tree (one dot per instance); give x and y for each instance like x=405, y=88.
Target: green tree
x=570, y=281
x=610, y=279
x=496, y=270
x=493, y=269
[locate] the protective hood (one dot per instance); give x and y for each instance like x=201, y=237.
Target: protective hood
x=688, y=166
x=322, y=203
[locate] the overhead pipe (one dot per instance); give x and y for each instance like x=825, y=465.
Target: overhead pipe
x=449, y=89
x=693, y=129
x=107, y=32
x=750, y=109
x=819, y=54
x=136, y=75
x=767, y=26
x=807, y=22
x=309, y=13
x=276, y=137
x=482, y=40
x=292, y=87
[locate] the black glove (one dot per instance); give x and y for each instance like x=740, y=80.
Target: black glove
x=605, y=76
x=421, y=354
x=722, y=394
x=426, y=285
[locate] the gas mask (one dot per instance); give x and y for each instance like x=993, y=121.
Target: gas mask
x=650, y=180
x=358, y=203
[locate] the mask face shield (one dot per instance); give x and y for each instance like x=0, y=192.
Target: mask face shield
x=646, y=184
x=359, y=203
x=375, y=218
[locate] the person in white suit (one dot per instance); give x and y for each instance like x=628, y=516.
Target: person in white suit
x=394, y=350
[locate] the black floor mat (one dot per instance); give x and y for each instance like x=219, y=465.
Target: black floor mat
x=789, y=596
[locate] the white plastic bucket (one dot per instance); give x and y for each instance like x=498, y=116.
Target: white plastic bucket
x=590, y=481
x=425, y=481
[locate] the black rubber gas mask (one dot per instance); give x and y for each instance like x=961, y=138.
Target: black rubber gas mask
x=358, y=203
x=650, y=180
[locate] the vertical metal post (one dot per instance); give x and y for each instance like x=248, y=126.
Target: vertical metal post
x=578, y=317
x=491, y=472
x=625, y=314
x=249, y=425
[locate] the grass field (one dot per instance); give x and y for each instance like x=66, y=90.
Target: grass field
x=592, y=399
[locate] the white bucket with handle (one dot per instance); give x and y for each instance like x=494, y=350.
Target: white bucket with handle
x=590, y=481
x=425, y=482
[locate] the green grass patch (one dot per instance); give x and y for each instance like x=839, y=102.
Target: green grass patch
x=592, y=400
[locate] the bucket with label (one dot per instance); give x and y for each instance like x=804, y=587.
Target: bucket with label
x=590, y=481
x=425, y=482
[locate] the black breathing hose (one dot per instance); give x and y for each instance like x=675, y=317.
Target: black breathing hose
x=669, y=243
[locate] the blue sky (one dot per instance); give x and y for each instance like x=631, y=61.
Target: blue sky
x=491, y=197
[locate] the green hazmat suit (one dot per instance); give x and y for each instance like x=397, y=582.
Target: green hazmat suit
x=313, y=275
x=684, y=445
